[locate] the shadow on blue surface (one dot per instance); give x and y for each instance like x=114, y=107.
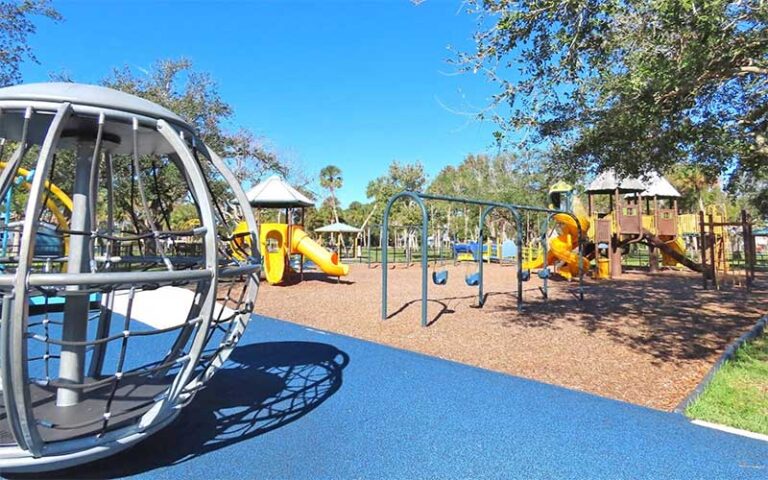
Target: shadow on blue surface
x=265, y=386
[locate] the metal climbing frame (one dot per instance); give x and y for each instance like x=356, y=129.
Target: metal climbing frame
x=81, y=383
x=489, y=207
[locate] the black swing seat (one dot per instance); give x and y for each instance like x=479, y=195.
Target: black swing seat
x=525, y=275
x=473, y=279
x=440, y=277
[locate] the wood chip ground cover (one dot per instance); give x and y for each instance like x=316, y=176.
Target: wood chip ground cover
x=646, y=338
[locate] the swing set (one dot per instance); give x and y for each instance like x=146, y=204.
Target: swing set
x=439, y=276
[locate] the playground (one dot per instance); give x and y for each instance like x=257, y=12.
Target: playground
x=383, y=240
x=115, y=319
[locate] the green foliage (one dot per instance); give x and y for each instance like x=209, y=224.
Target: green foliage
x=194, y=96
x=699, y=190
x=400, y=177
x=16, y=26
x=751, y=188
x=356, y=213
x=634, y=85
x=505, y=178
x=695, y=185
x=314, y=219
x=184, y=217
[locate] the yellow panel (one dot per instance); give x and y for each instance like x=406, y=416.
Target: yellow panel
x=649, y=223
x=688, y=224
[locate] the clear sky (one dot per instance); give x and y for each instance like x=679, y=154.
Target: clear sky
x=356, y=83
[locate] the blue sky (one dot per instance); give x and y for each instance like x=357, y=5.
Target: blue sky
x=353, y=83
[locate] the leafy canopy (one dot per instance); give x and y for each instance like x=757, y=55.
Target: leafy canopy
x=194, y=96
x=632, y=85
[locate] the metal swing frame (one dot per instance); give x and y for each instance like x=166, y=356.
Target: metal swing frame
x=515, y=210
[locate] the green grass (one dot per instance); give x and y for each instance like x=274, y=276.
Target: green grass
x=738, y=395
x=398, y=255
x=638, y=257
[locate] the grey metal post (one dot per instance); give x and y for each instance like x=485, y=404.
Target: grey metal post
x=703, y=246
x=9, y=172
x=519, y=243
x=74, y=329
x=7, y=300
x=253, y=287
x=105, y=313
x=545, y=246
x=480, y=300
x=368, y=244
x=581, y=258
x=516, y=216
x=424, y=259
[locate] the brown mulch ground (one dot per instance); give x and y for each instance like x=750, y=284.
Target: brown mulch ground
x=646, y=338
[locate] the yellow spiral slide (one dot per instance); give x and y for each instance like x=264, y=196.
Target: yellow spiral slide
x=562, y=247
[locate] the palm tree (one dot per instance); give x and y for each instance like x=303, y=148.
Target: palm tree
x=331, y=180
x=691, y=179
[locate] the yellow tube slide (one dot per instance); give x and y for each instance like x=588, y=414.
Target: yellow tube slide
x=57, y=193
x=562, y=247
x=327, y=261
x=273, y=251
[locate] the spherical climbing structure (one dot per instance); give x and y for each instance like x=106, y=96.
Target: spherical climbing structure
x=121, y=290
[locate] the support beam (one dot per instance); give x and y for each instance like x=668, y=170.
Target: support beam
x=72, y=364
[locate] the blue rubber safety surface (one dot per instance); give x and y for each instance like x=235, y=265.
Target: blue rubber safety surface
x=297, y=403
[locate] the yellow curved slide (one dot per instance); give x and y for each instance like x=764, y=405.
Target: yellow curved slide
x=325, y=260
x=678, y=245
x=562, y=247
x=56, y=192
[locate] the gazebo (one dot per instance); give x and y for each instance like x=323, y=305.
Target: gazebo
x=663, y=215
x=659, y=190
x=338, y=227
x=275, y=192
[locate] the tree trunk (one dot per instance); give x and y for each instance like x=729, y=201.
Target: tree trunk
x=333, y=205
